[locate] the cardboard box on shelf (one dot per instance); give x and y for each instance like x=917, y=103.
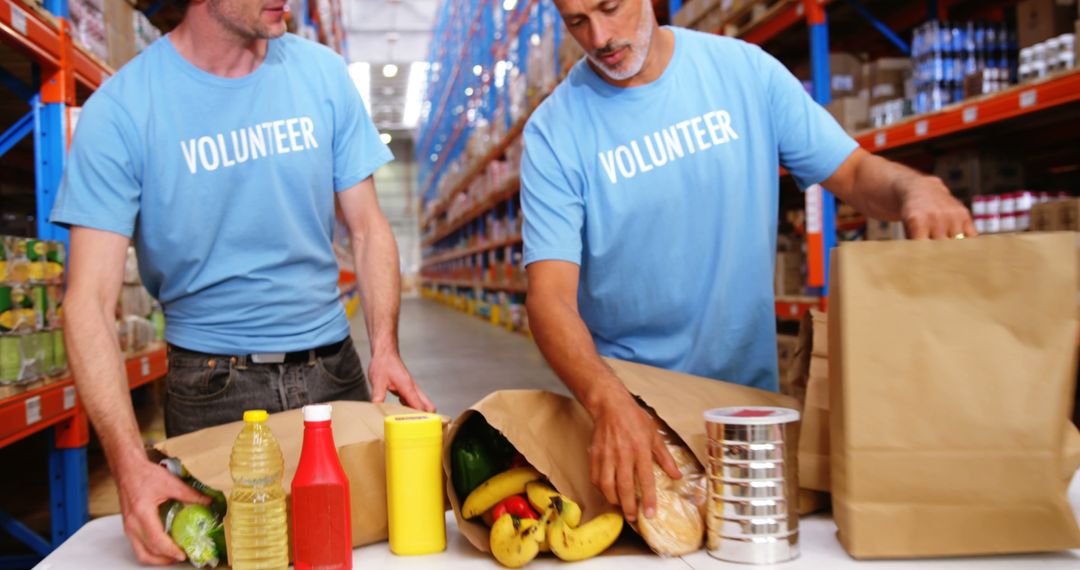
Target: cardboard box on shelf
x=788, y=279
x=846, y=71
x=785, y=351
x=886, y=78
x=1067, y=215
x=1044, y=217
x=120, y=32
x=1040, y=20
x=972, y=174
x=852, y=113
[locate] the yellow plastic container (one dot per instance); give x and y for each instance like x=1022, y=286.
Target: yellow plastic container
x=414, y=483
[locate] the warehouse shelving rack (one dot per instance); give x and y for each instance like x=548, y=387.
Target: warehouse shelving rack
x=43, y=35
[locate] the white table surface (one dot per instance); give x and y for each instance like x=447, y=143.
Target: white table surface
x=101, y=545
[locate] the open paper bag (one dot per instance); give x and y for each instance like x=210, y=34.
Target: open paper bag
x=952, y=374
x=553, y=432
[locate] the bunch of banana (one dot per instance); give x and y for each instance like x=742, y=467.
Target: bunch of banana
x=515, y=541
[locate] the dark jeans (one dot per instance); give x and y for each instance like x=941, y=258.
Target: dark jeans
x=204, y=391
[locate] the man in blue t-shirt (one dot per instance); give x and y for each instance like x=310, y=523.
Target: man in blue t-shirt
x=650, y=194
x=220, y=152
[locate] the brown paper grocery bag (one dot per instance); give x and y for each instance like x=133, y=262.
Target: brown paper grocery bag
x=952, y=369
x=554, y=432
x=358, y=434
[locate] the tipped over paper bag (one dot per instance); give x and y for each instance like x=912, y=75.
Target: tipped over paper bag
x=358, y=434
x=953, y=366
x=554, y=432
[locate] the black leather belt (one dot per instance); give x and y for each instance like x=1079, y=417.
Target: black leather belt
x=275, y=357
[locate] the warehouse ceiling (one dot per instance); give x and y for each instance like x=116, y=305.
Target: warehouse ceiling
x=382, y=32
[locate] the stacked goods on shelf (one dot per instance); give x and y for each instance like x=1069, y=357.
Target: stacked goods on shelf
x=112, y=30
x=850, y=91
x=1059, y=214
x=1055, y=55
x=31, y=294
x=139, y=319
x=956, y=60
x=145, y=32
x=891, y=90
x=788, y=277
x=88, y=26
x=703, y=15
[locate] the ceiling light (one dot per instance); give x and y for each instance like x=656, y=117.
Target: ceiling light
x=477, y=70
x=414, y=93
x=468, y=91
x=509, y=5
x=385, y=138
x=389, y=70
x=534, y=40
x=360, y=72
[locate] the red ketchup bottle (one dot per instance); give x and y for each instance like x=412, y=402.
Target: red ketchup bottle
x=322, y=529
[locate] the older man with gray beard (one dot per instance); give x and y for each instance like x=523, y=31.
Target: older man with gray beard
x=650, y=194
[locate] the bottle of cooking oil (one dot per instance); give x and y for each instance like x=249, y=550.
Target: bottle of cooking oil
x=257, y=521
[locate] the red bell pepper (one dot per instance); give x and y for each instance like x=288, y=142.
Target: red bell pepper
x=516, y=505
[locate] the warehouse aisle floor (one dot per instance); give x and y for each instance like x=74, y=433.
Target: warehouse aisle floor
x=458, y=359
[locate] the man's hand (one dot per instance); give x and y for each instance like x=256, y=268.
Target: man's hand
x=886, y=190
x=388, y=373
x=625, y=443
x=930, y=211
x=143, y=487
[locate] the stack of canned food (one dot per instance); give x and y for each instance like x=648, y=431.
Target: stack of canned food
x=752, y=515
x=31, y=294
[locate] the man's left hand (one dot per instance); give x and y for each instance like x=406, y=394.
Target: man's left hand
x=930, y=211
x=388, y=373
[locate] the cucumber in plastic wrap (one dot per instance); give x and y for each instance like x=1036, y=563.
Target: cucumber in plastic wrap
x=198, y=530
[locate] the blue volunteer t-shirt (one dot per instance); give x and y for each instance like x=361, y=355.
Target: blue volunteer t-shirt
x=666, y=195
x=227, y=187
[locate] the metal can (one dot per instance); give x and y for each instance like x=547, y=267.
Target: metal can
x=56, y=260
x=39, y=299
x=749, y=492
x=54, y=313
x=10, y=359
x=16, y=309
x=59, y=351
x=37, y=253
x=33, y=355
x=17, y=265
x=48, y=353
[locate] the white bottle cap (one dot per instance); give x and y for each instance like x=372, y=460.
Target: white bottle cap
x=317, y=413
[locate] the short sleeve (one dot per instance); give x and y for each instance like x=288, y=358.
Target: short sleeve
x=101, y=186
x=812, y=144
x=358, y=151
x=554, y=209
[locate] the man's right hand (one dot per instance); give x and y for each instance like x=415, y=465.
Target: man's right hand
x=143, y=487
x=626, y=441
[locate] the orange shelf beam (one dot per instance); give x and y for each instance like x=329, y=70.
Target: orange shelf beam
x=25, y=414
x=38, y=36
x=1016, y=102
x=793, y=308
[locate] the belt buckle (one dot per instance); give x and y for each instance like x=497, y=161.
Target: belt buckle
x=268, y=358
